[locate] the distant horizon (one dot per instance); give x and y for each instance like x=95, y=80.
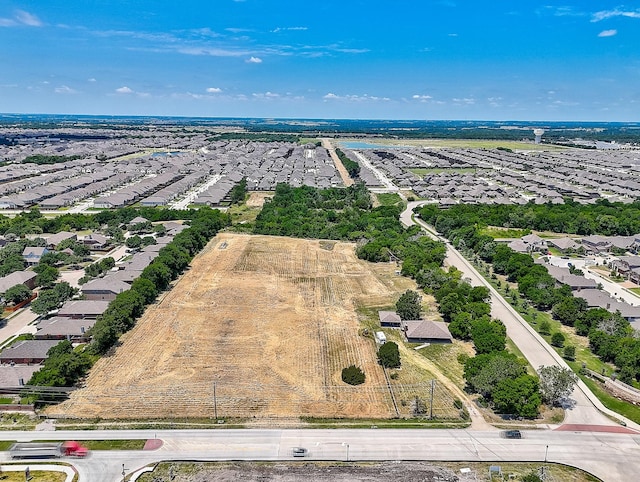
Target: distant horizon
x=159, y=116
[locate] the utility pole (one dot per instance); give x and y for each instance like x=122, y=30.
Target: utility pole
x=215, y=402
x=433, y=386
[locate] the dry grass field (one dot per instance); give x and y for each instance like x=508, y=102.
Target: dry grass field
x=270, y=321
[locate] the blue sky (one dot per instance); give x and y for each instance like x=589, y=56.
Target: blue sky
x=373, y=59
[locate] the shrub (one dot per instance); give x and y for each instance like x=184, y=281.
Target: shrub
x=557, y=339
x=545, y=327
x=570, y=352
x=353, y=375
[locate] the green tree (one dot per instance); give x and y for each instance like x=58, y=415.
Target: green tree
x=570, y=352
x=545, y=327
x=146, y=288
x=408, y=306
x=497, y=368
x=17, y=294
x=488, y=335
x=389, y=355
x=47, y=275
x=353, y=375
x=556, y=383
x=518, y=396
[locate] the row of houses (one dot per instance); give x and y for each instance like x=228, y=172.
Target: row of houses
x=593, y=244
x=495, y=176
x=588, y=290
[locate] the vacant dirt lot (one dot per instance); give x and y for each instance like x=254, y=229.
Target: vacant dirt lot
x=266, y=322
x=245, y=472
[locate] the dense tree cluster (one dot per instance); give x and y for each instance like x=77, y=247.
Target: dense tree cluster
x=346, y=214
x=52, y=298
x=603, y=217
x=352, y=167
x=98, y=268
x=49, y=159
x=408, y=306
x=239, y=192
x=63, y=367
x=500, y=377
x=610, y=336
x=17, y=294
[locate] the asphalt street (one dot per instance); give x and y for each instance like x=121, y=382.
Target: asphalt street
x=610, y=456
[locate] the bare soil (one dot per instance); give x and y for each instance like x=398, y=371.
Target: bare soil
x=260, y=326
x=241, y=472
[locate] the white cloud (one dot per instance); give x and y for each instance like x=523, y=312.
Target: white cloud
x=266, y=95
x=616, y=12
x=124, y=90
x=27, y=18
x=254, y=60
x=21, y=18
x=421, y=98
x=63, y=89
x=214, y=90
x=285, y=29
x=608, y=33
x=92, y=79
x=453, y=35
x=464, y=100
x=238, y=30
x=355, y=98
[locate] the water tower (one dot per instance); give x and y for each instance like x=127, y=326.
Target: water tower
x=538, y=133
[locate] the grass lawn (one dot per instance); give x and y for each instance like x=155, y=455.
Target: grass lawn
x=108, y=444
x=36, y=476
x=389, y=199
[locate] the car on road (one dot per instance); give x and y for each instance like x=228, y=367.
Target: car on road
x=299, y=452
x=512, y=434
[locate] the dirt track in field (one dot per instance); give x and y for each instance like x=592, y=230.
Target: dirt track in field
x=271, y=321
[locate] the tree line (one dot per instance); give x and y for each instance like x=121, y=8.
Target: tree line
x=352, y=167
x=603, y=217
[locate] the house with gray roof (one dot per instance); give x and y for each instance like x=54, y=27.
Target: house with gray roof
x=27, y=278
x=55, y=239
x=426, y=331
x=601, y=299
x=27, y=352
x=389, y=319
x=106, y=288
x=83, y=309
x=62, y=328
x=15, y=376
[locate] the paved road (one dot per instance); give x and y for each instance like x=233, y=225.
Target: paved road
x=17, y=324
x=586, y=408
x=609, y=456
x=346, y=179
